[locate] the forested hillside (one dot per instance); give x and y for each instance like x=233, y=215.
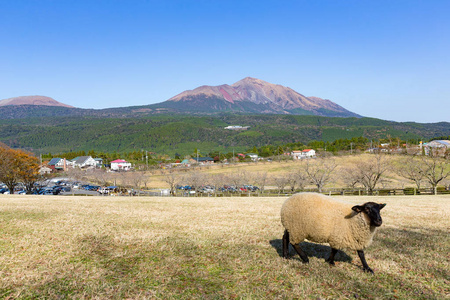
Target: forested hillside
x=170, y=134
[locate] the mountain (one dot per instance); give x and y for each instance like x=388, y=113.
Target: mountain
x=252, y=95
x=247, y=96
x=32, y=100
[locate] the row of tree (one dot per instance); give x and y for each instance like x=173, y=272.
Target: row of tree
x=366, y=173
x=17, y=166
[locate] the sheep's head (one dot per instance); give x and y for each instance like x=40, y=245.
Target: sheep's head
x=372, y=210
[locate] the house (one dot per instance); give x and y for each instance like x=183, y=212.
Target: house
x=438, y=147
x=45, y=170
x=203, y=160
x=84, y=162
x=253, y=156
x=300, y=154
x=120, y=164
x=236, y=127
x=57, y=164
x=99, y=162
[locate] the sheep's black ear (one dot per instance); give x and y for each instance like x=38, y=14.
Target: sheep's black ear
x=358, y=208
x=382, y=205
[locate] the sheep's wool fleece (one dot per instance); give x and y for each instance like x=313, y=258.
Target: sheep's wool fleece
x=322, y=219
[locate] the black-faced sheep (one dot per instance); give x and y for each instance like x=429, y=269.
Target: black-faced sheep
x=322, y=219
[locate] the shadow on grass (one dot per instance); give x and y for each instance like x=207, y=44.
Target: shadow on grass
x=408, y=241
x=312, y=250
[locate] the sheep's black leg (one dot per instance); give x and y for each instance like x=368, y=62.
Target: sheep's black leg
x=300, y=252
x=286, y=244
x=330, y=260
x=366, y=267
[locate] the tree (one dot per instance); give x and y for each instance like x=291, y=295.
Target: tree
x=412, y=168
x=172, y=180
x=195, y=180
x=136, y=179
x=435, y=169
x=8, y=168
x=280, y=182
x=369, y=172
x=350, y=176
x=28, y=169
x=102, y=177
x=296, y=179
x=217, y=180
x=261, y=180
x=16, y=166
x=319, y=171
x=238, y=179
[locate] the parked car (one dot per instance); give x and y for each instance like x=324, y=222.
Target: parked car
x=107, y=190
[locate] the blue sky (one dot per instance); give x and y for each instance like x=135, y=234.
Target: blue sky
x=383, y=59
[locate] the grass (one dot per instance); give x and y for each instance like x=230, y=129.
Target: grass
x=210, y=248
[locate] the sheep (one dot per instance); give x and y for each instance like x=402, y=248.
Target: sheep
x=322, y=219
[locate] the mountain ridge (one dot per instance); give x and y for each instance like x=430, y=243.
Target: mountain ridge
x=271, y=98
x=32, y=100
x=248, y=96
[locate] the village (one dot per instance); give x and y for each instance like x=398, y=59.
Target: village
x=57, y=164
x=251, y=174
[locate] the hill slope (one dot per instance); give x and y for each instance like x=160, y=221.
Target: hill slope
x=182, y=134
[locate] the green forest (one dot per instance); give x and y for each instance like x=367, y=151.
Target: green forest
x=181, y=134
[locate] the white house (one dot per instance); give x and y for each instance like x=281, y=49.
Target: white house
x=237, y=127
x=299, y=154
x=44, y=170
x=253, y=156
x=120, y=164
x=99, y=162
x=84, y=162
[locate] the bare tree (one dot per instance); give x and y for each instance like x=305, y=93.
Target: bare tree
x=435, y=170
x=350, y=176
x=217, y=180
x=370, y=171
x=102, y=177
x=76, y=173
x=261, y=179
x=123, y=180
x=172, y=180
x=239, y=178
x=319, y=171
x=296, y=180
x=136, y=179
x=281, y=182
x=195, y=180
x=412, y=168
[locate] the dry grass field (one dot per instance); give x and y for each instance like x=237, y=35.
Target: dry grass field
x=55, y=247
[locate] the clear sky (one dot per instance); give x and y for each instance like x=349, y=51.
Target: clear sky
x=379, y=58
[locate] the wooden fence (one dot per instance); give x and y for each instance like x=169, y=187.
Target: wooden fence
x=331, y=192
